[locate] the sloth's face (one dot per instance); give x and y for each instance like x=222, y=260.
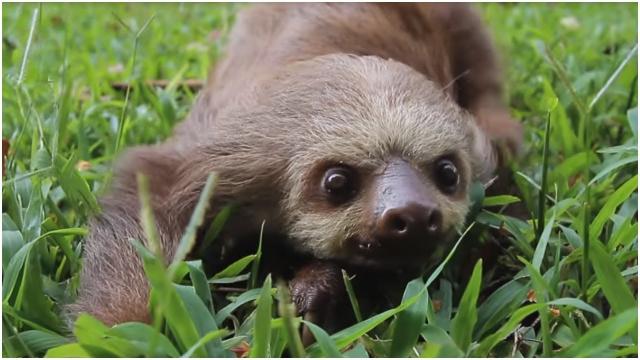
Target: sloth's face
x=382, y=179
x=396, y=214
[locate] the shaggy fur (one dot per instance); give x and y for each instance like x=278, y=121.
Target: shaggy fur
x=304, y=86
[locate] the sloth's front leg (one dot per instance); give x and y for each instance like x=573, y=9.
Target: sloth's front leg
x=318, y=291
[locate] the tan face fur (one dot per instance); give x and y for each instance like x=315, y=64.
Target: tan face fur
x=366, y=113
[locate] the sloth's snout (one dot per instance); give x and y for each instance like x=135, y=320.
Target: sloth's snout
x=405, y=223
x=414, y=221
x=405, y=207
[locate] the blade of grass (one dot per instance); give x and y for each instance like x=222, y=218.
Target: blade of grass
x=545, y=169
x=210, y=336
x=543, y=241
x=434, y=275
x=608, y=170
x=235, y=268
x=444, y=345
x=352, y=296
x=466, y=317
x=262, y=326
x=125, y=107
x=410, y=321
x=189, y=237
x=287, y=311
x=145, y=336
x=352, y=333
x=614, y=76
x=201, y=318
x=499, y=305
x=357, y=351
x=611, y=281
x=324, y=341
x=255, y=266
x=609, y=208
x=542, y=296
x=27, y=49
x=579, y=304
x=488, y=343
x=68, y=350
x=215, y=228
x=603, y=335
x=500, y=200
x=147, y=218
x=200, y=284
x=242, y=299
x=168, y=300
x=564, y=78
x=8, y=328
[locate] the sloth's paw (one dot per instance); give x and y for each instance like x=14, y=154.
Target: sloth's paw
x=316, y=290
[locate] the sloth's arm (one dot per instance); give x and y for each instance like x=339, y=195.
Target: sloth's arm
x=479, y=80
x=113, y=287
x=317, y=290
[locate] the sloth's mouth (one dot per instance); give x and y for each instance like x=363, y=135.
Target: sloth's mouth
x=369, y=252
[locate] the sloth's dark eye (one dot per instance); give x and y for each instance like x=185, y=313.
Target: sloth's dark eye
x=447, y=175
x=339, y=183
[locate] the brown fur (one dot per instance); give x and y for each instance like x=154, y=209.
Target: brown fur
x=303, y=85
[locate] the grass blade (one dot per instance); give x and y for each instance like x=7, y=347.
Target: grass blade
x=210, y=336
x=125, y=107
x=255, y=266
x=442, y=345
x=287, y=311
x=499, y=305
x=262, y=326
x=434, y=275
x=538, y=255
x=608, y=209
x=27, y=48
x=144, y=335
x=147, y=218
x=189, y=237
x=543, y=291
x=168, y=300
x=500, y=200
x=602, y=336
x=509, y=327
x=465, y=319
x=244, y=298
x=201, y=318
x=577, y=303
x=614, y=76
x=68, y=351
x=216, y=227
x=235, y=268
x=324, y=341
x=352, y=333
x=352, y=296
x=200, y=284
x=410, y=321
x=545, y=169
x=611, y=281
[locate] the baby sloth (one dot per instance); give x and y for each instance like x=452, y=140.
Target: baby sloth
x=353, y=131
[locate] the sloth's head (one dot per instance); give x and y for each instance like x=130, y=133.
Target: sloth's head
x=379, y=159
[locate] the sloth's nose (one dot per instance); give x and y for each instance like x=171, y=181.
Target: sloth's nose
x=412, y=221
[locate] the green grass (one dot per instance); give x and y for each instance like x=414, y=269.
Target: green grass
x=571, y=288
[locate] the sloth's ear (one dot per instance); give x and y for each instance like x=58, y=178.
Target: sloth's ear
x=483, y=154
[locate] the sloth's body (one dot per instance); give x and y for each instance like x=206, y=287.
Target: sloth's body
x=352, y=130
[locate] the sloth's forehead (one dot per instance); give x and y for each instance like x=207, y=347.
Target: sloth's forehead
x=363, y=109
x=413, y=133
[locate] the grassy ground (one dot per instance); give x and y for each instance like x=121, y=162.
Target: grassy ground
x=574, y=292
